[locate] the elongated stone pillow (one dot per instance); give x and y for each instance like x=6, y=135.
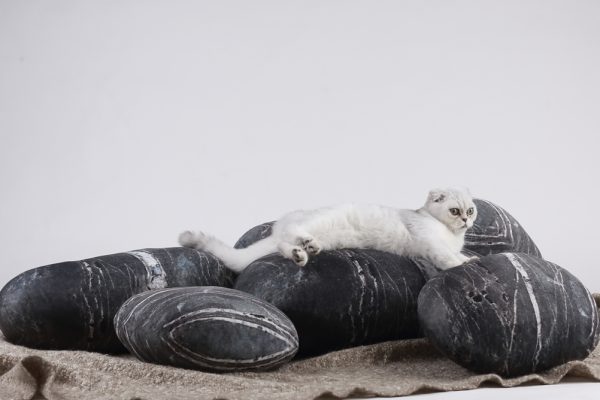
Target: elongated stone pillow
x=207, y=328
x=71, y=305
x=341, y=298
x=509, y=314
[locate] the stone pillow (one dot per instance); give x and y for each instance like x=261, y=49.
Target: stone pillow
x=208, y=328
x=509, y=314
x=71, y=305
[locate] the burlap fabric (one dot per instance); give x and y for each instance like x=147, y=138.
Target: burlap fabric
x=385, y=369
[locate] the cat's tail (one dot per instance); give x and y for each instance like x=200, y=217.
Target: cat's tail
x=235, y=259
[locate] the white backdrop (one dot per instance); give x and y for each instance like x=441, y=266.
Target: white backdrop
x=124, y=122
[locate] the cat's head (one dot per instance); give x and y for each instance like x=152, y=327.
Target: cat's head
x=453, y=207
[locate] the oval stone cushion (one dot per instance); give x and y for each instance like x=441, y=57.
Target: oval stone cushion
x=494, y=231
x=208, y=328
x=509, y=314
x=71, y=305
x=341, y=298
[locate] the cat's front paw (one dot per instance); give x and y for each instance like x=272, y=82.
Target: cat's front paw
x=469, y=259
x=311, y=246
x=299, y=256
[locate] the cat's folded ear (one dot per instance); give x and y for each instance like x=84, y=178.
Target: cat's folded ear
x=437, y=195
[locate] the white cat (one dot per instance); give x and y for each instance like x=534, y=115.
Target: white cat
x=435, y=232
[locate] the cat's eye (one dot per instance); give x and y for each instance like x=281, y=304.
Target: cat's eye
x=470, y=211
x=454, y=211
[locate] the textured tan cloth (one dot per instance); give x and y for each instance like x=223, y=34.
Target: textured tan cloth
x=385, y=369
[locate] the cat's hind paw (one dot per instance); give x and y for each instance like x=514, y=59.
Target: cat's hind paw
x=194, y=240
x=311, y=246
x=299, y=256
x=186, y=239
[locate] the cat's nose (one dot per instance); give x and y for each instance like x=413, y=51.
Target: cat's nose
x=464, y=219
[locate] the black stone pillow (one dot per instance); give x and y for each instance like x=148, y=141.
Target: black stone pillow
x=71, y=305
x=207, y=328
x=496, y=231
x=341, y=298
x=509, y=314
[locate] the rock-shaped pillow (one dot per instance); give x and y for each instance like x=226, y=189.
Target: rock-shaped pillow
x=509, y=314
x=71, y=305
x=496, y=231
x=207, y=328
x=341, y=298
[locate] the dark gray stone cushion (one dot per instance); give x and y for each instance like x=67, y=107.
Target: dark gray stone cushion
x=341, y=298
x=496, y=231
x=71, y=305
x=509, y=314
x=208, y=328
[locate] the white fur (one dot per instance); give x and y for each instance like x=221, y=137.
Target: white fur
x=431, y=232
